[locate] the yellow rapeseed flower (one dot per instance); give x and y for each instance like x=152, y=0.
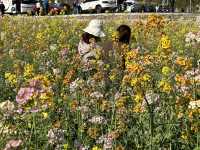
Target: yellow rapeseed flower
x=184, y=136
x=115, y=36
x=165, y=42
x=65, y=146
x=96, y=148
x=28, y=70
x=180, y=79
x=137, y=108
x=146, y=77
x=134, y=81
x=11, y=78
x=45, y=115
x=138, y=97
x=45, y=81
x=166, y=70
x=181, y=61
x=165, y=86
x=134, y=68
x=131, y=55
x=112, y=77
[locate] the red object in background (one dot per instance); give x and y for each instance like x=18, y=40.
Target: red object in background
x=56, y=8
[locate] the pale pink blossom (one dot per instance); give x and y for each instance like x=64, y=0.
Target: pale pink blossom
x=12, y=144
x=24, y=95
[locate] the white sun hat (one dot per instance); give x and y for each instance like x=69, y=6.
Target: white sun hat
x=95, y=28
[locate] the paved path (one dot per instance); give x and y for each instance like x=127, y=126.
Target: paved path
x=129, y=16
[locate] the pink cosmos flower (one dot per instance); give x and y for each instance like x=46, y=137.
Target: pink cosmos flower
x=24, y=94
x=12, y=144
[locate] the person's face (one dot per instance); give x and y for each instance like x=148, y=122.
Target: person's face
x=92, y=40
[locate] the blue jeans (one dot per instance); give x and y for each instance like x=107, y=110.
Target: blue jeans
x=76, y=10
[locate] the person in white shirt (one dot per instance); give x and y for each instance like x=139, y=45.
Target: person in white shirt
x=89, y=42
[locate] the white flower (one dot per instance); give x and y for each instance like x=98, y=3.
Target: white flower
x=152, y=97
x=117, y=95
x=197, y=78
x=100, y=139
x=194, y=104
x=190, y=38
x=55, y=136
x=198, y=62
x=4, y=129
x=198, y=40
x=97, y=120
x=11, y=52
x=56, y=71
x=107, y=140
x=187, y=39
x=91, y=82
x=83, y=109
x=53, y=47
x=74, y=85
x=96, y=95
x=7, y=107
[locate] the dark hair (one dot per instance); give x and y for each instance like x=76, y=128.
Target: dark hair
x=124, y=34
x=86, y=37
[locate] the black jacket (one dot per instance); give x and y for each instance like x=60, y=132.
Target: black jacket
x=2, y=8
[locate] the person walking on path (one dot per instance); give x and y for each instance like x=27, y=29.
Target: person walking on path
x=2, y=8
x=46, y=6
x=76, y=7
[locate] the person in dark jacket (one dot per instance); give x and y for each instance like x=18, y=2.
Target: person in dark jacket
x=46, y=6
x=172, y=5
x=18, y=6
x=2, y=8
x=114, y=53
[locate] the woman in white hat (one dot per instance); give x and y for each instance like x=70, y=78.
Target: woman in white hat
x=89, y=43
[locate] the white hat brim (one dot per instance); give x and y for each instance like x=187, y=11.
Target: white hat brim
x=95, y=32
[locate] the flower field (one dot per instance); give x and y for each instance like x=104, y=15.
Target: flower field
x=48, y=101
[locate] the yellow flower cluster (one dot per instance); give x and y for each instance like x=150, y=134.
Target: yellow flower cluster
x=166, y=70
x=134, y=68
x=183, y=62
x=140, y=80
x=68, y=77
x=44, y=98
x=165, y=42
x=44, y=79
x=115, y=36
x=165, y=86
x=93, y=132
x=28, y=70
x=181, y=80
x=96, y=148
x=155, y=22
x=131, y=55
x=11, y=78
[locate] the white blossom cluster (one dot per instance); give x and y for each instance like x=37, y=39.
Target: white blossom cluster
x=75, y=85
x=97, y=120
x=192, y=38
x=96, y=95
x=194, y=104
x=107, y=141
x=55, y=136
